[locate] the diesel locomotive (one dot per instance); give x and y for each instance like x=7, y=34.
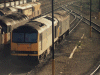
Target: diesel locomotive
x=34, y=38
x=9, y=22
x=29, y=9
x=11, y=17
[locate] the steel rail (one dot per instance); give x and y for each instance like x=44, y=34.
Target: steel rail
x=95, y=70
x=62, y=6
x=76, y=21
x=94, y=25
x=33, y=71
x=75, y=25
x=49, y=56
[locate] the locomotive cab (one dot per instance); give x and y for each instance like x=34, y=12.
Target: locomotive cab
x=24, y=41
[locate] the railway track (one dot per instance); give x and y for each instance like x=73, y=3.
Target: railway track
x=96, y=71
x=73, y=24
x=44, y=62
x=94, y=25
x=87, y=21
x=36, y=67
x=47, y=9
x=78, y=18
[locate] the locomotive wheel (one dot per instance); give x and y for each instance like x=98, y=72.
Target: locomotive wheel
x=64, y=36
x=41, y=58
x=45, y=54
x=56, y=43
x=59, y=40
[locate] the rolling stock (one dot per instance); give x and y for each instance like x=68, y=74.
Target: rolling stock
x=9, y=22
x=13, y=16
x=35, y=37
x=8, y=3
x=29, y=9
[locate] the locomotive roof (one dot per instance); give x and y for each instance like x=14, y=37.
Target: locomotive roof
x=61, y=12
x=8, y=10
x=60, y=15
x=27, y=5
x=12, y=19
x=25, y=29
x=29, y=27
x=39, y=24
x=47, y=21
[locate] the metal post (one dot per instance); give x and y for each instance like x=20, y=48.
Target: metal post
x=99, y=10
x=81, y=5
x=23, y=1
x=4, y=3
x=53, y=60
x=19, y=2
x=14, y=3
x=10, y=2
x=99, y=5
x=90, y=20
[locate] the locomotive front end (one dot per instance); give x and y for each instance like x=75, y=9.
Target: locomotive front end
x=24, y=41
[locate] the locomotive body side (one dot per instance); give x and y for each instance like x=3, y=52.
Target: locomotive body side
x=29, y=9
x=63, y=18
x=46, y=35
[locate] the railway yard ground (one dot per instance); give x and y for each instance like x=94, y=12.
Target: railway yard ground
x=77, y=54
x=85, y=58
x=83, y=61
x=85, y=13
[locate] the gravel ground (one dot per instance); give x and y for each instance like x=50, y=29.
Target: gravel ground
x=93, y=19
x=84, y=58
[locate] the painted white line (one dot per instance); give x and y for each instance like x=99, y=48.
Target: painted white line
x=95, y=70
x=82, y=36
x=71, y=55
